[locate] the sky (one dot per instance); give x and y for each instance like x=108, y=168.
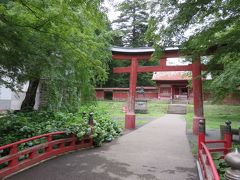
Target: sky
x=110, y=5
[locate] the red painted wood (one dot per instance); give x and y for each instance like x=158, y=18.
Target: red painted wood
x=130, y=115
x=172, y=93
x=33, y=156
x=148, y=95
x=49, y=148
x=130, y=120
x=204, y=154
x=122, y=69
x=214, y=141
x=164, y=68
x=228, y=142
x=163, y=62
x=29, y=139
x=120, y=95
x=207, y=164
x=100, y=94
x=132, y=85
x=142, y=69
x=130, y=57
x=165, y=92
x=197, y=95
x=201, y=139
x=13, y=151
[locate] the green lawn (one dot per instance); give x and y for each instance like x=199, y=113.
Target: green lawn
x=155, y=109
x=216, y=115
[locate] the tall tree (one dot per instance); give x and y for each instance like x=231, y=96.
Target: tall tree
x=132, y=22
x=200, y=25
x=131, y=26
x=63, y=42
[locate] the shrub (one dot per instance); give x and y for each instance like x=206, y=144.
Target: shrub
x=14, y=127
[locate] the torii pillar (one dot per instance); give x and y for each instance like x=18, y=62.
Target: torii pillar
x=130, y=114
x=197, y=94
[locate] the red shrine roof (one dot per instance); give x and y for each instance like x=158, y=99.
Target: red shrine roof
x=171, y=76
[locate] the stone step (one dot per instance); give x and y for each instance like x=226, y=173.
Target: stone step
x=177, y=109
x=180, y=101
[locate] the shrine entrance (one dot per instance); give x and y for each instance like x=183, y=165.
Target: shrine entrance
x=180, y=92
x=137, y=54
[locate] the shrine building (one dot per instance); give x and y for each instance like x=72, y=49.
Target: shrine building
x=173, y=85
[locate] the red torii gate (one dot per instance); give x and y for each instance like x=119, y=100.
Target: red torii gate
x=136, y=54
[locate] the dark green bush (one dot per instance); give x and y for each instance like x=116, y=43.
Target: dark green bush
x=105, y=129
x=14, y=127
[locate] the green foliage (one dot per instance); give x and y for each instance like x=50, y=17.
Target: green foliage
x=117, y=80
x=105, y=129
x=155, y=109
x=14, y=127
x=63, y=42
x=145, y=79
x=200, y=27
x=132, y=23
x=220, y=164
x=216, y=114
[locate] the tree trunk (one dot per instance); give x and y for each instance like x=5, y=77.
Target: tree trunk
x=29, y=101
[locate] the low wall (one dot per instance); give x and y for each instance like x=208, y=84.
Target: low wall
x=148, y=95
x=120, y=96
x=232, y=99
x=100, y=95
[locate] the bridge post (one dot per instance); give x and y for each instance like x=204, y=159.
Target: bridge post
x=201, y=136
x=197, y=95
x=130, y=114
x=227, y=137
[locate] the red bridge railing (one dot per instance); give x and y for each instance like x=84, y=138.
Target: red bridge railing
x=207, y=165
x=208, y=168
x=22, y=154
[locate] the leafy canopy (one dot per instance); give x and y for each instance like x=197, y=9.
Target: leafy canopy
x=63, y=42
x=132, y=22
x=200, y=25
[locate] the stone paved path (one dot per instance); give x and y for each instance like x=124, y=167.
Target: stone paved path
x=156, y=151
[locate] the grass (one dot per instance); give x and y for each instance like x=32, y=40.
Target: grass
x=216, y=115
x=139, y=123
x=115, y=108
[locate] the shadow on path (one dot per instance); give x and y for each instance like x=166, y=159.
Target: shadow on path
x=157, y=151
x=84, y=164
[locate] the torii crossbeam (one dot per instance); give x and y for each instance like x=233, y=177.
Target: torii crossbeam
x=137, y=54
